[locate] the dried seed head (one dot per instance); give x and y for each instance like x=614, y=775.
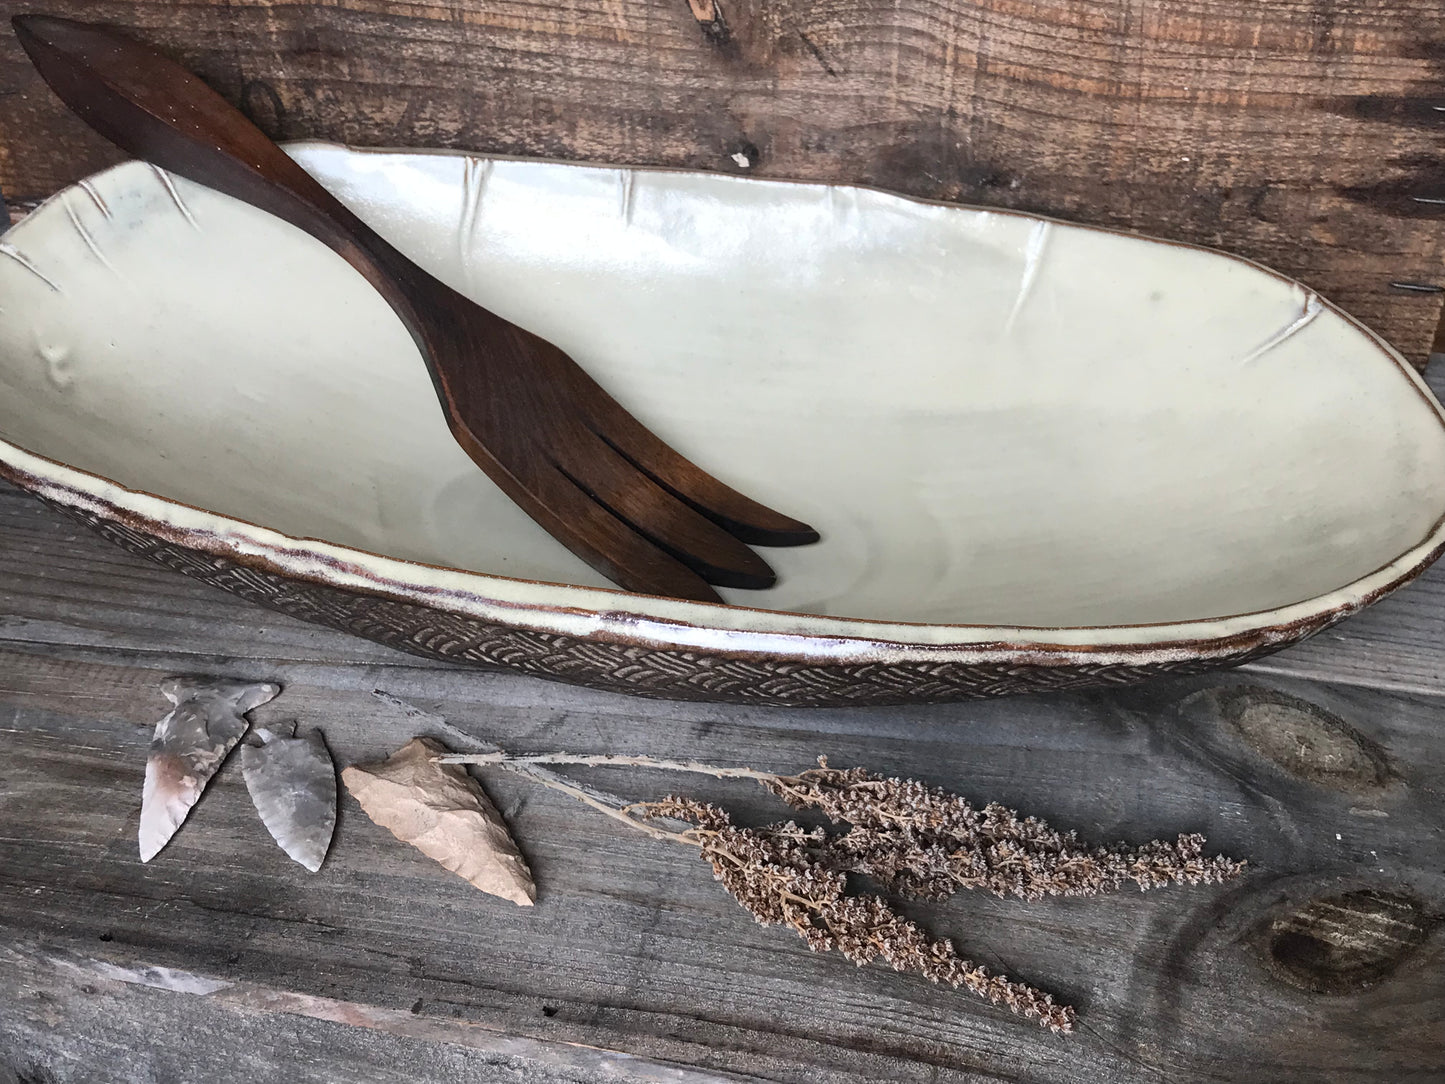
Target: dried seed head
x=780, y=874
x=927, y=842
x=914, y=839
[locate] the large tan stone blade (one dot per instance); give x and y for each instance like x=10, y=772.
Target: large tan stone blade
x=442, y=811
x=293, y=787
x=188, y=747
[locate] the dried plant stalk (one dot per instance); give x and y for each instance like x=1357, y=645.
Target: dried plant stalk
x=775, y=873
x=927, y=842
x=914, y=839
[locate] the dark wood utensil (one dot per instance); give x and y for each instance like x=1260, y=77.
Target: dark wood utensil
x=527, y=414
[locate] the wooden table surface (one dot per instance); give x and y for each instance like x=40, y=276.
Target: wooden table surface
x=223, y=960
x=1301, y=132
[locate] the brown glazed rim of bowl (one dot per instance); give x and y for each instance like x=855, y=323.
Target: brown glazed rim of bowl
x=624, y=618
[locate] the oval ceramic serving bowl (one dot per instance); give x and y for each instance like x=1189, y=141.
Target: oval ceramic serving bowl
x=1040, y=455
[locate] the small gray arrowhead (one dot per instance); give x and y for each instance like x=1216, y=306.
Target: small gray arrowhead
x=293, y=786
x=188, y=748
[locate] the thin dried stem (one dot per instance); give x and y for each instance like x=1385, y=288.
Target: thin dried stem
x=616, y=812
x=489, y=753
x=611, y=760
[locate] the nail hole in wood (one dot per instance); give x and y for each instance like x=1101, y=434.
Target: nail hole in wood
x=1341, y=944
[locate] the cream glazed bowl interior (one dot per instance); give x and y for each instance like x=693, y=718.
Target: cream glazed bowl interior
x=1040, y=455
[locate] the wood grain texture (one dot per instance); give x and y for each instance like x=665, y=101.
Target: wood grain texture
x=633, y=950
x=1300, y=133
x=632, y=947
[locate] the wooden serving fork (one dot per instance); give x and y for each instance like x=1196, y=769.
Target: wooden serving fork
x=541, y=428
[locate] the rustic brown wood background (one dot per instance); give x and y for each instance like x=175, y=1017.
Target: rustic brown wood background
x=1301, y=133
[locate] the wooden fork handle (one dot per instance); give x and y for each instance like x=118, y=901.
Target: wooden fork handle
x=156, y=110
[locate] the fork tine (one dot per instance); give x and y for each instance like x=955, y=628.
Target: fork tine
x=742, y=517
x=658, y=515
x=607, y=543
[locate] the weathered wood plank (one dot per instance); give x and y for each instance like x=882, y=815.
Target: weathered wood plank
x=111, y=1016
x=45, y=558
x=632, y=947
x=1299, y=133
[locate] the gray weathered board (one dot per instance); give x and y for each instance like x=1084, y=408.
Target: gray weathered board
x=221, y=960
